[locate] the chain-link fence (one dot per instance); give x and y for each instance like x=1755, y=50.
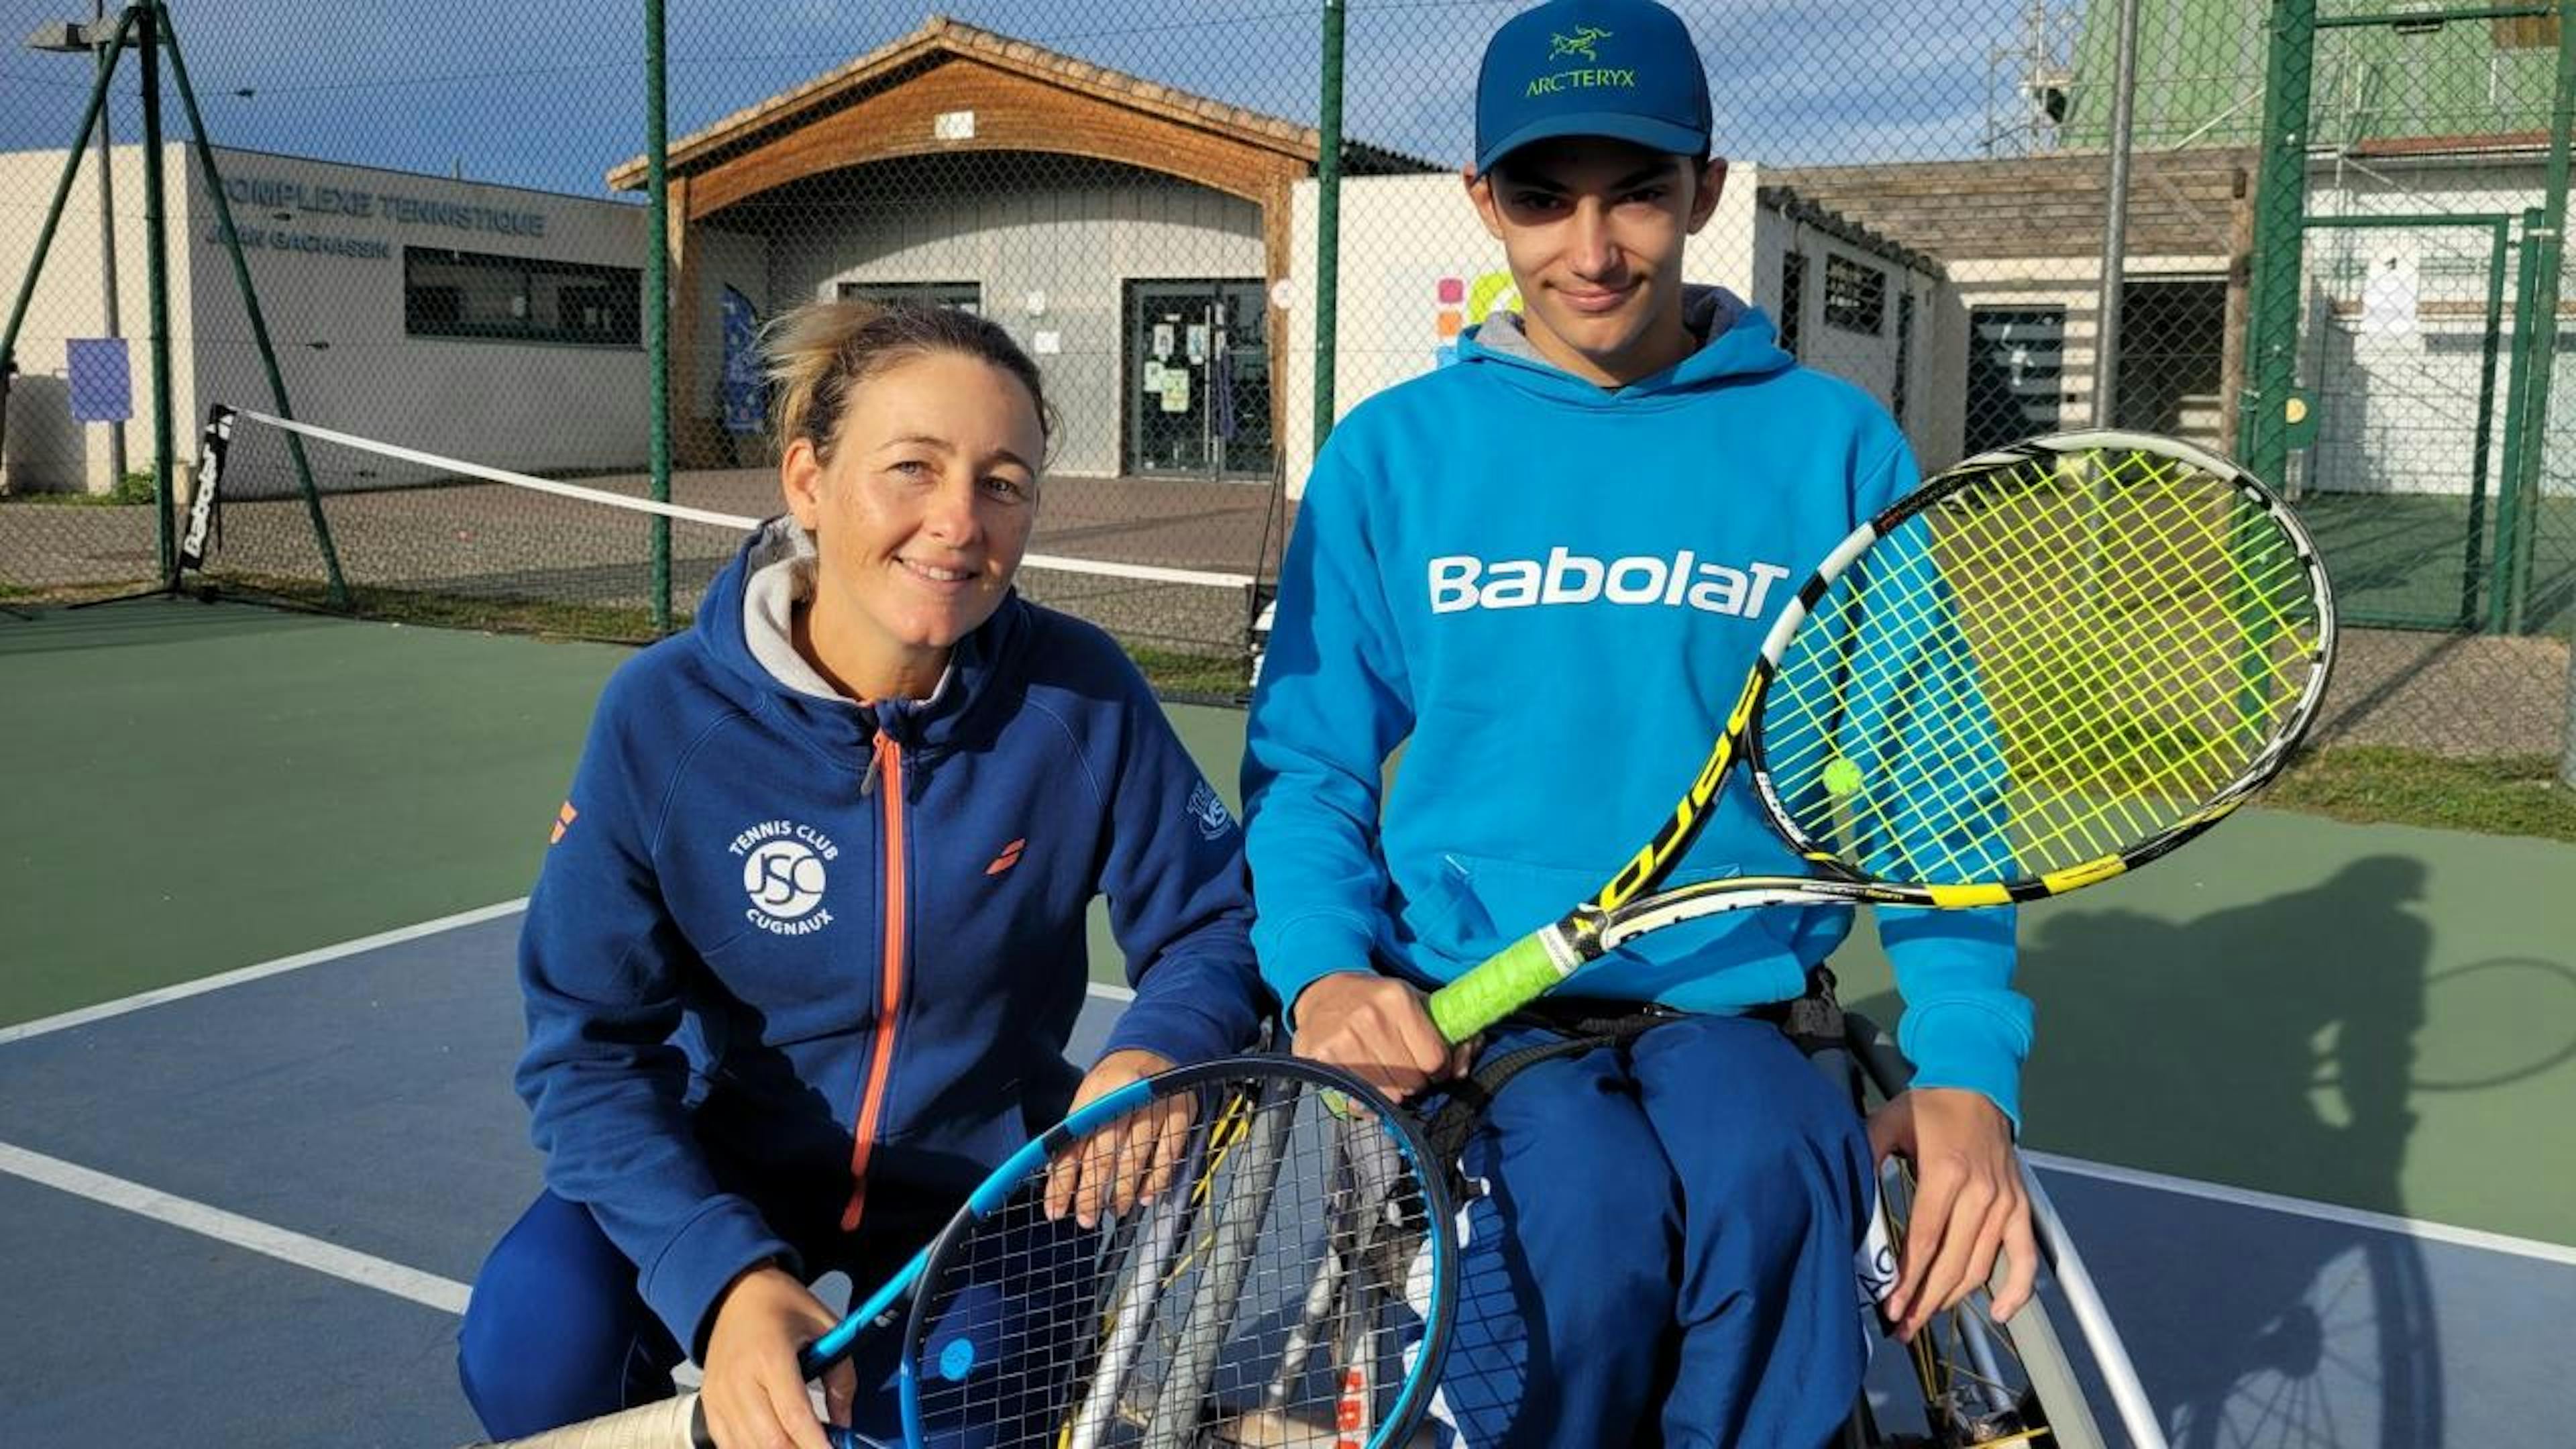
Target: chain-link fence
x=2325, y=242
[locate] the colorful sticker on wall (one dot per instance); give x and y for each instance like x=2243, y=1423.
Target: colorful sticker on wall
x=1465, y=303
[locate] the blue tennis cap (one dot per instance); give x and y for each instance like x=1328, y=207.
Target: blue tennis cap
x=1625, y=69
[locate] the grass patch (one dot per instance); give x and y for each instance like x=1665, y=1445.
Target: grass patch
x=1174, y=673
x=132, y=490
x=544, y=618
x=2512, y=795
x=1202, y=677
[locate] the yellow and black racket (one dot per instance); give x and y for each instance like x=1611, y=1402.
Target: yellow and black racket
x=2045, y=666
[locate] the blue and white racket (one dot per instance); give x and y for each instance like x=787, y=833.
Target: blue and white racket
x=1278, y=1269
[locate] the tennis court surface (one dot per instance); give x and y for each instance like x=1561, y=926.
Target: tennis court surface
x=2300, y=1091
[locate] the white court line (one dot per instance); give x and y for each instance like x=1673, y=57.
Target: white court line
x=185, y=989
x=2416, y=1228
x=283, y=1244
x=2242, y=1197
x=428, y=1289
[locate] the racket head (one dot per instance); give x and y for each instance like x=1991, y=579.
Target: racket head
x=2048, y=664
x=1172, y=1321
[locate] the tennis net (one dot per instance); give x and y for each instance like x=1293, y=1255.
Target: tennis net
x=1176, y=570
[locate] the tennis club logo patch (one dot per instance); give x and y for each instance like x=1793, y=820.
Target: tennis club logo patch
x=1208, y=812
x=784, y=873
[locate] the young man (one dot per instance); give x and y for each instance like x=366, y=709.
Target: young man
x=1483, y=571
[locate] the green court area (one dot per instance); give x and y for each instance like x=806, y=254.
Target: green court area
x=2418, y=560
x=2373, y=1015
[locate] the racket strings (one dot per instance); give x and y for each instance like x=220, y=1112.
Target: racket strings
x=2114, y=639
x=2164, y=767
x=2055, y=708
x=2204, y=712
x=2205, y=637
x=1231, y=1309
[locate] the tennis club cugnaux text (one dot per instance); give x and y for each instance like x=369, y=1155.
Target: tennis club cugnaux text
x=787, y=830
x=1463, y=581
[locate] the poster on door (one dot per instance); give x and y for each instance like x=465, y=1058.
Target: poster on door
x=1176, y=389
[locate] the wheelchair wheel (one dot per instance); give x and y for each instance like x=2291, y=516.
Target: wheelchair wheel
x=1974, y=1382
x=1978, y=1383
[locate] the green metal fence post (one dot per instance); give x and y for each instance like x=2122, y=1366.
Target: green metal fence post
x=2481, y=471
x=1328, y=220
x=2562, y=121
x=2503, y=572
x=657, y=302
x=2280, y=216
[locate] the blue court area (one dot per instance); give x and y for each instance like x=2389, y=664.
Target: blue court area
x=246, y=1212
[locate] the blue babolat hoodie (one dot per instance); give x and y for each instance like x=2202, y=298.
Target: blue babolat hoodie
x=841, y=948
x=1549, y=593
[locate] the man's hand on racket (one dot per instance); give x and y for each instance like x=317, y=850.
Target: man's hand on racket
x=1376, y=1028
x=1968, y=1204
x=754, y=1395
x=1130, y=1161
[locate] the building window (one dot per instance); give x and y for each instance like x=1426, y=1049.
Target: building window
x=1793, y=298
x=520, y=299
x=1904, y=354
x=2016, y=374
x=964, y=296
x=1855, y=295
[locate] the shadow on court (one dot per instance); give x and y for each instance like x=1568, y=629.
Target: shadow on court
x=2276, y=1045
x=2303, y=1012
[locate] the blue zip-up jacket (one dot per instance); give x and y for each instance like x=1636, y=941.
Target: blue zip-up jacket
x=841, y=949
x=1549, y=593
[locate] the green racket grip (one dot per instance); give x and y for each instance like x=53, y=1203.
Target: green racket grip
x=1503, y=983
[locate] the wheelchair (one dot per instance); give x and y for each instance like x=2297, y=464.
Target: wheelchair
x=1975, y=1382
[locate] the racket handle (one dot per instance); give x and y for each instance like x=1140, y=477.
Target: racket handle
x=1503, y=983
x=664, y=1424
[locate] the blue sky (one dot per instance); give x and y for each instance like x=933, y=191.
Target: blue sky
x=549, y=96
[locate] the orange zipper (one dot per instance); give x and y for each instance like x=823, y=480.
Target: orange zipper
x=888, y=768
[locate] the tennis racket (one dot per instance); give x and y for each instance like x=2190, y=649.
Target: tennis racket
x=1289, y=1199
x=2047, y=665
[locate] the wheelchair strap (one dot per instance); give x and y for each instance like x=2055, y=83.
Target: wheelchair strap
x=1813, y=1022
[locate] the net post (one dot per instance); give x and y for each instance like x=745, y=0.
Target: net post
x=657, y=301
x=335, y=585
x=148, y=25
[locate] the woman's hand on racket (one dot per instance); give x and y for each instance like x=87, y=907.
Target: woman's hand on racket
x=1968, y=1204
x=754, y=1394
x=1132, y=1160
x=1376, y=1028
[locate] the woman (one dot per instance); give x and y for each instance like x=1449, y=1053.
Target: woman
x=809, y=943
